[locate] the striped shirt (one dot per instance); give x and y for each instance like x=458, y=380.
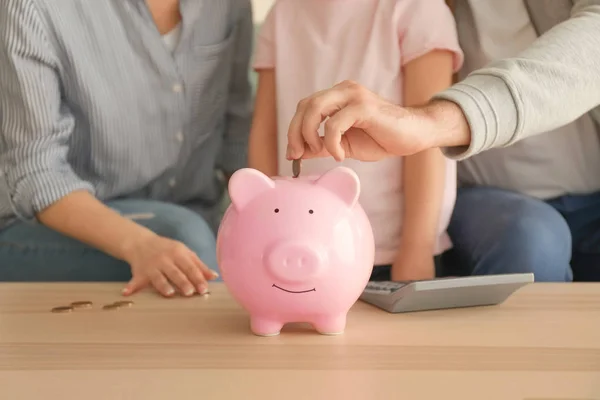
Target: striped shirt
x=91, y=98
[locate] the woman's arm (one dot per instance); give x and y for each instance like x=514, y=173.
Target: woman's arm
x=154, y=260
x=81, y=216
x=35, y=130
x=239, y=103
x=263, y=135
x=424, y=174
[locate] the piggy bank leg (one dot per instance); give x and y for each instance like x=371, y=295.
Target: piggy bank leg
x=330, y=324
x=265, y=327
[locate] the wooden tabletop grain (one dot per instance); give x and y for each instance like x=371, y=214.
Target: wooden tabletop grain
x=543, y=343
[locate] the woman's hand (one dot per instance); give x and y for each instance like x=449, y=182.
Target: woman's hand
x=153, y=259
x=364, y=126
x=161, y=262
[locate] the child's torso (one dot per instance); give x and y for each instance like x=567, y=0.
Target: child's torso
x=320, y=43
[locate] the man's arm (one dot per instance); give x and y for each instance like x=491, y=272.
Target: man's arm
x=239, y=105
x=550, y=84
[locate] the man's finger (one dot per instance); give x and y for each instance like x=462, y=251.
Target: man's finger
x=308, y=153
x=311, y=114
x=336, y=127
x=325, y=105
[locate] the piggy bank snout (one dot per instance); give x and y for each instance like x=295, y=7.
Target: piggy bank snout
x=295, y=262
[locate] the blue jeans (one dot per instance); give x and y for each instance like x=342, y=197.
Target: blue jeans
x=30, y=252
x=496, y=231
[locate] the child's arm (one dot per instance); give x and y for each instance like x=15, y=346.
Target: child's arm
x=423, y=174
x=263, y=134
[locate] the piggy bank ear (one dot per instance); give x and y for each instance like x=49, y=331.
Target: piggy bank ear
x=246, y=184
x=343, y=182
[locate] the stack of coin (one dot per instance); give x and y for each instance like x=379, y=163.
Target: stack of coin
x=296, y=167
x=124, y=303
x=81, y=304
x=62, y=309
x=88, y=304
x=118, y=304
x=73, y=306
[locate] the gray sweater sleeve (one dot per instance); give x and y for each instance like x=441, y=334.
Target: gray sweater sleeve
x=550, y=84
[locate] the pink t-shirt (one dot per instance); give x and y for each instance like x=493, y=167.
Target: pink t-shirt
x=314, y=44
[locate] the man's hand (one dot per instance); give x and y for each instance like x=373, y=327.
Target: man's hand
x=363, y=126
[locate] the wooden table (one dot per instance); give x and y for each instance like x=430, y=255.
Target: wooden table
x=543, y=343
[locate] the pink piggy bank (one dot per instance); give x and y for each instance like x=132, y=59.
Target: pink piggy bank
x=295, y=249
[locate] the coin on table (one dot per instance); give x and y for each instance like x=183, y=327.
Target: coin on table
x=123, y=303
x=62, y=309
x=81, y=304
x=296, y=167
x=111, y=307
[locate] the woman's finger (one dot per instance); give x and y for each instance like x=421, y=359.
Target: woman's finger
x=179, y=279
x=136, y=283
x=208, y=273
x=193, y=268
x=160, y=283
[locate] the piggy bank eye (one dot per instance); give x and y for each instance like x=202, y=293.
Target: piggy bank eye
x=276, y=210
x=310, y=211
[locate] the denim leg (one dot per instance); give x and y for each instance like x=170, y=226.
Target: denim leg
x=32, y=252
x=496, y=231
x=582, y=213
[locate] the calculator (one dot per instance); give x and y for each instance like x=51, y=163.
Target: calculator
x=443, y=293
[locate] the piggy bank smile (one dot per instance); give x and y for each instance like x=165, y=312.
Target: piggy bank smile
x=295, y=250
x=294, y=291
